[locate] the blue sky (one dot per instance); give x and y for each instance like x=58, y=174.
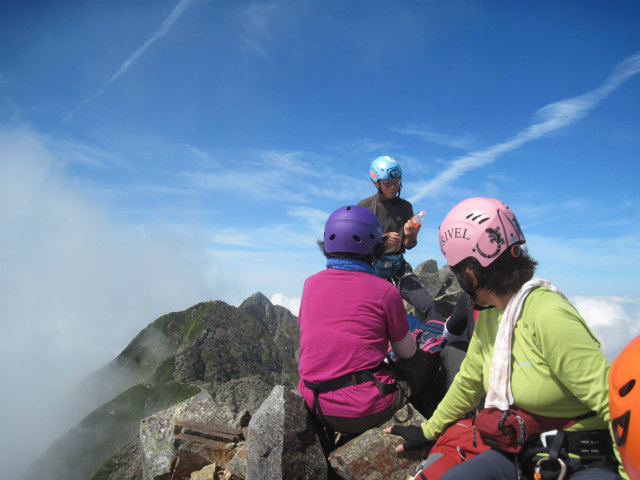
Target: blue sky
x=158, y=154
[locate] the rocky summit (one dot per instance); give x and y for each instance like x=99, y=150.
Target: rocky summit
x=209, y=392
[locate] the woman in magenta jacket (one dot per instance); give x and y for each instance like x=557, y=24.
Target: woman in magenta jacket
x=348, y=317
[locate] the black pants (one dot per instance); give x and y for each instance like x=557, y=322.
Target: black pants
x=413, y=291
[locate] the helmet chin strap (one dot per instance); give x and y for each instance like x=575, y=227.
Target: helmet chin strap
x=477, y=306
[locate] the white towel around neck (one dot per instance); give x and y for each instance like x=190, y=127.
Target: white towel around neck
x=500, y=394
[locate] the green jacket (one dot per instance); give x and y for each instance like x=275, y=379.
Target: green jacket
x=558, y=369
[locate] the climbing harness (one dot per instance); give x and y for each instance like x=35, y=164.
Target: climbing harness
x=570, y=450
x=347, y=380
x=387, y=266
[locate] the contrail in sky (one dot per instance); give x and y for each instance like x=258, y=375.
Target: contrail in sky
x=164, y=28
x=550, y=118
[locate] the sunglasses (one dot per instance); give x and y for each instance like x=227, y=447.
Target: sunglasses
x=392, y=181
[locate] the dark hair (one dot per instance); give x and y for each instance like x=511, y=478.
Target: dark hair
x=370, y=259
x=506, y=274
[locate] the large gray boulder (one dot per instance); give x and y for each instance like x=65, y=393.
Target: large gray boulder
x=281, y=442
x=441, y=285
x=237, y=467
x=372, y=455
x=246, y=393
x=157, y=438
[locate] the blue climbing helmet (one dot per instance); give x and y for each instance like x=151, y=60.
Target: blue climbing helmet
x=352, y=229
x=385, y=168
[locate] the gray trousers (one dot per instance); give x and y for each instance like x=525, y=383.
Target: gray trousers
x=493, y=465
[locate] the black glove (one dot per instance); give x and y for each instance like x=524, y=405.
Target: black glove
x=412, y=434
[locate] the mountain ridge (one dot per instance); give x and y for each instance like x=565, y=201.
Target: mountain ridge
x=174, y=357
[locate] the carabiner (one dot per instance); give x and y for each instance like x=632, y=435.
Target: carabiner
x=538, y=474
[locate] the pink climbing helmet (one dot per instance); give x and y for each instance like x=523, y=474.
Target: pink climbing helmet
x=481, y=228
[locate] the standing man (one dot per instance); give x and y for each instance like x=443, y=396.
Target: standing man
x=399, y=235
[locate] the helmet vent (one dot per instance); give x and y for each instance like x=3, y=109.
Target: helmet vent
x=474, y=217
x=627, y=387
x=332, y=237
x=357, y=238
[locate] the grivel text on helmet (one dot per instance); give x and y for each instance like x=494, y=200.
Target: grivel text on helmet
x=458, y=232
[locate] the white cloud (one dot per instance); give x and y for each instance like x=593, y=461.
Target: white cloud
x=313, y=218
x=71, y=151
x=290, y=303
x=76, y=287
x=283, y=176
x=266, y=269
x=257, y=20
x=279, y=176
x=614, y=320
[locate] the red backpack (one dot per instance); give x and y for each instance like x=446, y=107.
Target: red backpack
x=457, y=444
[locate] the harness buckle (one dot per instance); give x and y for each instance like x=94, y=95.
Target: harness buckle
x=544, y=435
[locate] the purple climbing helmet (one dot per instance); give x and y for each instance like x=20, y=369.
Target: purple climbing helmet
x=352, y=229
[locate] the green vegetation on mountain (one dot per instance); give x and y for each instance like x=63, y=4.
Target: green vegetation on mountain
x=170, y=360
